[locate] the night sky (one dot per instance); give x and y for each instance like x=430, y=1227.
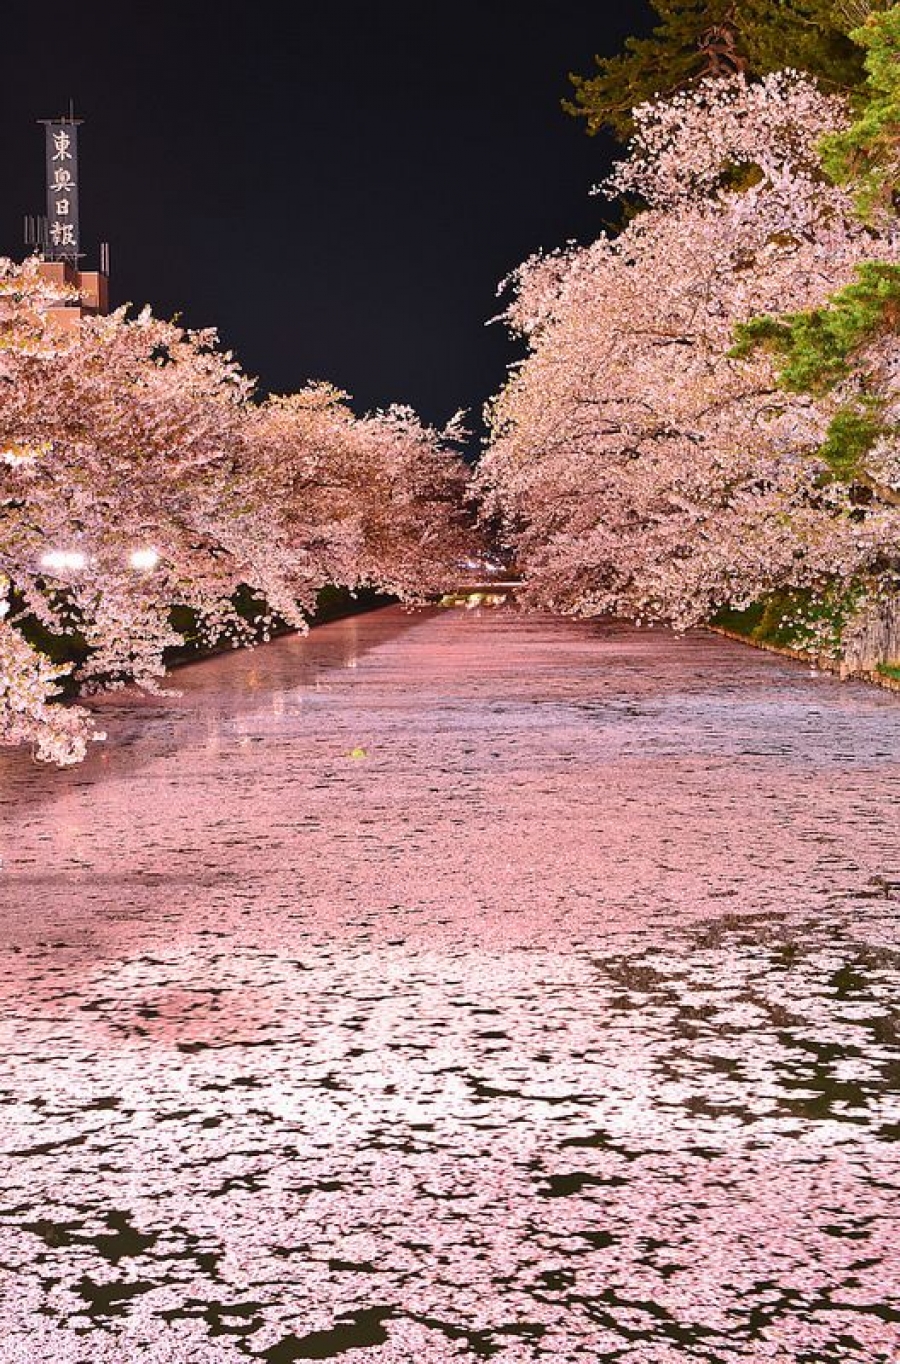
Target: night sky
x=338, y=187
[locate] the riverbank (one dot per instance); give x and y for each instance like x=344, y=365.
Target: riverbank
x=820, y=664
x=333, y=603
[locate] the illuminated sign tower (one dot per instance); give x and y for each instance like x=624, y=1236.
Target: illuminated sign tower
x=63, y=233
x=58, y=235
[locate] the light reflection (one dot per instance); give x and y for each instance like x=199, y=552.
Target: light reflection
x=473, y=600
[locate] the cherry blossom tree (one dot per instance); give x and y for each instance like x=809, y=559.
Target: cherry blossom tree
x=139, y=475
x=643, y=467
x=29, y=682
x=375, y=501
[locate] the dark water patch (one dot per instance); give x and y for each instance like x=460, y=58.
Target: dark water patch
x=362, y=1330
x=109, y=1299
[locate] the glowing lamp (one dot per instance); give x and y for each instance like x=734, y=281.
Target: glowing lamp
x=144, y=559
x=63, y=559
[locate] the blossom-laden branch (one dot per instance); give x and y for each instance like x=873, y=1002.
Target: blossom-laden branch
x=29, y=684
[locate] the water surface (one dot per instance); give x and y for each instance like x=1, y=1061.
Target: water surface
x=559, y=1023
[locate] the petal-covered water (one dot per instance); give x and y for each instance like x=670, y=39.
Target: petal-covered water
x=457, y=986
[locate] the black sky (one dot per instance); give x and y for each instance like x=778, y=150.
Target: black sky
x=338, y=187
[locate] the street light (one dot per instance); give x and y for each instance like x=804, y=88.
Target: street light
x=144, y=559
x=63, y=559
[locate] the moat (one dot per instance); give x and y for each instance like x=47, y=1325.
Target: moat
x=452, y=986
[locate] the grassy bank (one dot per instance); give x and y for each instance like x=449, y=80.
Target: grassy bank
x=789, y=624
x=332, y=603
x=791, y=621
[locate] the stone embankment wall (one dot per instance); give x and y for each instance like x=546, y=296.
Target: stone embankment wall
x=874, y=638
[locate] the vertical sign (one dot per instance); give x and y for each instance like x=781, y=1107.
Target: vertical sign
x=62, y=189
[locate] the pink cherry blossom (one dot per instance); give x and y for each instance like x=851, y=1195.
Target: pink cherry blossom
x=138, y=473
x=638, y=466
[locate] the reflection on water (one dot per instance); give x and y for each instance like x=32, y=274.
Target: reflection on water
x=562, y=1027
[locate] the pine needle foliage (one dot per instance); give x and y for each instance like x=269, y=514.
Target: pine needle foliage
x=818, y=347
x=822, y=348
x=867, y=155
x=699, y=38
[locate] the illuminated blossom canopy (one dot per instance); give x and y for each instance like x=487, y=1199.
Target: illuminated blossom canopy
x=639, y=464
x=140, y=476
